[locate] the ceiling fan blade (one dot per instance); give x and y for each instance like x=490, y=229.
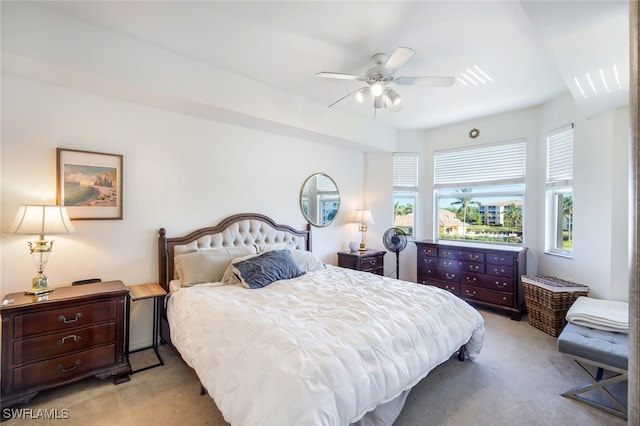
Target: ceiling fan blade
x=343, y=98
x=398, y=59
x=425, y=81
x=339, y=75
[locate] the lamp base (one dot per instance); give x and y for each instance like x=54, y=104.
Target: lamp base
x=362, y=247
x=39, y=285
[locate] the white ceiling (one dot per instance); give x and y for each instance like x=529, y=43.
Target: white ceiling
x=533, y=51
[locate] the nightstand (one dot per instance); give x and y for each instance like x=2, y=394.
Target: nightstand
x=368, y=261
x=62, y=337
x=141, y=292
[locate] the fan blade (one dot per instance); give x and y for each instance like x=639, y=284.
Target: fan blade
x=398, y=59
x=425, y=81
x=340, y=75
x=343, y=98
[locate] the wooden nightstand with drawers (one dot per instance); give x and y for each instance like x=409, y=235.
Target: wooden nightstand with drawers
x=67, y=335
x=368, y=261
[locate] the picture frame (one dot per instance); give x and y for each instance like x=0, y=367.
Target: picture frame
x=89, y=184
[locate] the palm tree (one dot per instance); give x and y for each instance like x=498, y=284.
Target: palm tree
x=513, y=217
x=402, y=210
x=465, y=208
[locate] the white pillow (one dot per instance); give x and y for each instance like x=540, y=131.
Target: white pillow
x=307, y=261
x=207, y=266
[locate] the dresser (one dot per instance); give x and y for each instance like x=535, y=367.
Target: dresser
x=481, y=275
x=64, y=336
x=368, y=261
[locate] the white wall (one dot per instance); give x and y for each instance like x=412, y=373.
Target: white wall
x=600, y=188
x=180, y=172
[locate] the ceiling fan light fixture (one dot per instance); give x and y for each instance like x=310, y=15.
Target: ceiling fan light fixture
x=362, y=94
x=376, y=89
x=379, y=102
x=393, y=97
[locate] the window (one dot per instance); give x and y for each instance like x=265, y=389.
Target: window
x=479, y=193
x=559, y=192
x=405, y=191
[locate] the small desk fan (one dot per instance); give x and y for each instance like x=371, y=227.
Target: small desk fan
x=394, y=239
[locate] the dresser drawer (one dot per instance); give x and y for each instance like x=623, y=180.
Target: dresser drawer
x=486, y=295
x=449, y=264
x=471, y=256
x=63, y=368
x=448, y=275
x=427, y=261
x=500, y=270
x=63, y=319
x=477, y=268
x=489, y=281
x=427, y=251
x=53, y=345
x=367, y=263
x=450, y=287
x=500, y=258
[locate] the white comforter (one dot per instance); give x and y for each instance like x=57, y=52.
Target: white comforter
x=321, y=349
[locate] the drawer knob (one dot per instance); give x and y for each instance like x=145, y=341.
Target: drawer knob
x=64, y=319
x=71, y=336
x=64, y=370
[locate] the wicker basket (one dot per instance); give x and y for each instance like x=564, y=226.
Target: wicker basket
x=548, y=299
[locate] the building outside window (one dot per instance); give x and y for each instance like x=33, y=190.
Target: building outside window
x=559, y=192
x=405, y=191
x=479, y=193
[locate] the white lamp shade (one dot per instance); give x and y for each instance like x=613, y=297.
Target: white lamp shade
x=363, y=216
x=41, y=220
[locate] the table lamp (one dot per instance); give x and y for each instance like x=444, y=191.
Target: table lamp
x=40, y=220
x=364, y=218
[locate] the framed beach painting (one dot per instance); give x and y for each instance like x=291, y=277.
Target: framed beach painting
x=89, y=184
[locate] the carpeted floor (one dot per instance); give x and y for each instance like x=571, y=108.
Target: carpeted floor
x=516, y=379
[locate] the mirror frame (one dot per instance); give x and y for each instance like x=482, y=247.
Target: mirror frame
x=302, y=191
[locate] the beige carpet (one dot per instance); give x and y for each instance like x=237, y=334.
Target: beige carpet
x=516, y=380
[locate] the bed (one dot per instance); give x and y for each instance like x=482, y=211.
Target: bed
x=277, y=337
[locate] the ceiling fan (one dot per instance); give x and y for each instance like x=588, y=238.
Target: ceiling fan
x=380, y=77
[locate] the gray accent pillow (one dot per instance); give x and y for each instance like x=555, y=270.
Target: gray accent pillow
x=262, y=270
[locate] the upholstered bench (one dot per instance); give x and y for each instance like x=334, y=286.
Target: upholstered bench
x=604, y=350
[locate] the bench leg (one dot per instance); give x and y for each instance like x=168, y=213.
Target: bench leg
x=597, y=383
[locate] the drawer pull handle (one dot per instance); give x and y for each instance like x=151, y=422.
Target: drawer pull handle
x=498, y=271
x=372, y=262
x=64, y=370
x=501, y=285
x=474, y=257
x=64, y=319
x=450, y=276
x=71, y=336
x=470, y=293
x=474, y=267
x=471, y=279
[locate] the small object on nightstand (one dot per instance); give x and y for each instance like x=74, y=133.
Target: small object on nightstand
x=140, y=292
x=368, y=261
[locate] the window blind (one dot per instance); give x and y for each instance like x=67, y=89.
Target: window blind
x=405, y=171
x=560, y=156
x=503, y=163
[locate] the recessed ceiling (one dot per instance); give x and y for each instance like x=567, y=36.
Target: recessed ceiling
x=532, y=51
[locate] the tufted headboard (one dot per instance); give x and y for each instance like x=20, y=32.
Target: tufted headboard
x=243, y=229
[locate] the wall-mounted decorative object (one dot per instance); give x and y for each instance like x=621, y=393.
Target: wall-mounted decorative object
x=474, y=133
x=319, y=200
x=89, y=184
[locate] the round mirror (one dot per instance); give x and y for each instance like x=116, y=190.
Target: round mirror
x=319, y=200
